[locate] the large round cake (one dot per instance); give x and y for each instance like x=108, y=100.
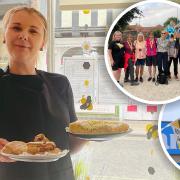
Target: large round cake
x=97, y=127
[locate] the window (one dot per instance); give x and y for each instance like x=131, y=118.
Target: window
x=84, y=19
x=66, y=19
x=102, y=15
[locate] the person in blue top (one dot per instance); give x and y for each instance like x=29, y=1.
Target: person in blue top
x=170, y=29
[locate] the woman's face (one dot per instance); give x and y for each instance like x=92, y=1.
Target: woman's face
x=140, y=38
x=24, y=36
x=151, y=36
x=163, y=34
x=117, y=36
x=129, y=38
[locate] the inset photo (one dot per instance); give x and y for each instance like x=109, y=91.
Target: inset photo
x=142, y=51
x=169, y=131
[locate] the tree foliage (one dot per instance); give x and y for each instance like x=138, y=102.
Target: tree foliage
x=167, y=22
x=157, y=33
x=127, y=18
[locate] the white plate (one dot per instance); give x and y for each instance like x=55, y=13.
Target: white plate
x=100, y=137
x=48, y=157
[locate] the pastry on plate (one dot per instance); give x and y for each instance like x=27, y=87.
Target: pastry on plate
x=15, y=147
x=97, y=127
x=41, y=137
x=40, y=145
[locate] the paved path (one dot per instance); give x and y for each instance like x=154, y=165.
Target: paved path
x=149, y=91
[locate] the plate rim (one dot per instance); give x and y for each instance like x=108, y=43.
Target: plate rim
x=36, y=158
x=100, y=136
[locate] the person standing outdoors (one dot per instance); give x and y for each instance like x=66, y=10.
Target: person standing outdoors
x=162, y=53
x=172, y=54
x=151, y=59
x=129, y=61
x=116, y=55
x=140, y=56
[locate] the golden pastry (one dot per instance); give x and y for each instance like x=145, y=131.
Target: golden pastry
x=97, y=127
x=55, y=151
x=15, y=147
x=41, y=137
x=40, y=145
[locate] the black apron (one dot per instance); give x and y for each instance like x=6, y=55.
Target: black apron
x=29, y=105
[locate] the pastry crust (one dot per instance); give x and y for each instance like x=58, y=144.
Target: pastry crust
x=97, y=127
x=41, y=138
x=15, y=147
x=40, y=145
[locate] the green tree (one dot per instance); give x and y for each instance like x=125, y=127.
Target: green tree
x=126, y=19
x=167, y=22
x=157, y=33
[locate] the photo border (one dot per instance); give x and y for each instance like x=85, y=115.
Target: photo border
x=161, y=139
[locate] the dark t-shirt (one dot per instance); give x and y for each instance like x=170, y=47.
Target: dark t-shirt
x=32, y=104
x=117, y=50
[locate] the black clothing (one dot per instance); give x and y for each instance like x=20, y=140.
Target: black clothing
x=151, y=61
x=33, y=104
x=162, y=59
x=130, y=71
x=175, y=62
x=1, y=71
x=118, y=54
x=177, y=45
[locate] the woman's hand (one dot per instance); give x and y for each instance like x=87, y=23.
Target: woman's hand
x=76, y=144
x=3, y=142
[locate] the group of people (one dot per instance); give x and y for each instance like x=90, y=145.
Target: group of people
x=154, y=52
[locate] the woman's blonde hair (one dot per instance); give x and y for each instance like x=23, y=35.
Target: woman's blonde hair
x=140, y=34
x=113, y=36
x=30, y=10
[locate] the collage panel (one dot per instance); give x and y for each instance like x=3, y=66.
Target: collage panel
x=63, y=113
x=142, y=52
x=169, y=126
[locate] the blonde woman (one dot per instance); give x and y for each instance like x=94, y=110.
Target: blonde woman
x=116, y=55
x=151, y=61
x=33, y=101
x=140, y=56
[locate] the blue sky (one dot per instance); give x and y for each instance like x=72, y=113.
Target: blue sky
x=171, y=111
x=156, y=13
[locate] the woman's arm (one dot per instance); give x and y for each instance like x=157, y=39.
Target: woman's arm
x=76, y=144
x=110, y=56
